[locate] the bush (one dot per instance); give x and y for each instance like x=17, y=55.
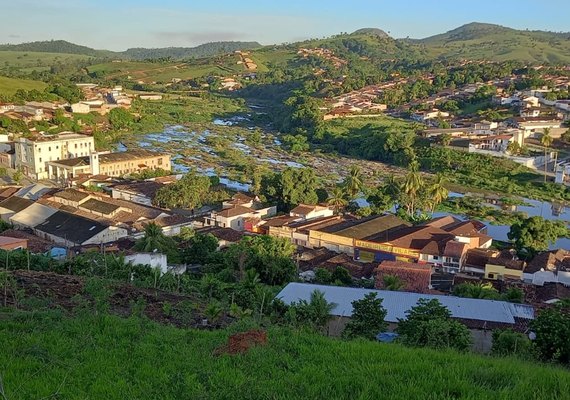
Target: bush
x=429, y=324
x=510, y=343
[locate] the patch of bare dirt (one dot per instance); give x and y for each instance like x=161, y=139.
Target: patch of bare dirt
x=240, y=343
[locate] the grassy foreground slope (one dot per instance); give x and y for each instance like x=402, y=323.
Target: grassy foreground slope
x=46, y=355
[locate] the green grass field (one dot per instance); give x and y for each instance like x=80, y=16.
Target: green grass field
x=46, y=355
x=9, y=86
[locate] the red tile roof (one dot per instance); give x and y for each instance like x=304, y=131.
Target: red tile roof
x=415, y=277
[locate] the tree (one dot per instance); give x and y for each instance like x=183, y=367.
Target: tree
x=476, y=291
x=566, y=136
x=367, y=318
x=270, y=257
x=534, y=234
x=353, y=182
x=315, y=313
x=17, y=176
x=445, y=139
x=119, y=118
x=291, y=187
x=341, y=275
x=337, y=199
x=546, y=141
x=323, y=276
x=552, y=329
x=199, y=248
x=429, y=324
x=155, y=240
x=392, y=282
x=191, y=191
x=412, y=187
x=437, y=191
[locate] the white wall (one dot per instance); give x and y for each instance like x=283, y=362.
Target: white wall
x=155, y=260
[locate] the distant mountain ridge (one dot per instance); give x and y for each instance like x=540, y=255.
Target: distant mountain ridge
x=473, y=41
x=65, y=47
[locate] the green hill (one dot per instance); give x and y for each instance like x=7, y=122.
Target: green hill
x=480, y=41
x=56, y=46
x=179, y=53
x=371, y=31
x=48, y=355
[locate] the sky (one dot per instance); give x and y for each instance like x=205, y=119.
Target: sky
x=121, y=24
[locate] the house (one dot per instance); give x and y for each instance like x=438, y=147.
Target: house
x=549, y=267
x=529, y=112
x=154, y=260
x=13, y=205
x=414, y=277
x=109, y=164
x=476, y=260
x=31, y=216
x=225, y=236
x=138, y=192
x=422, y=116
x=479, y=315
x=72, y=230
x=33, y=154
x=71, y=197
x=305, y=211
x=504, y=267
x=239, y=209
x=34, y=191
x=80, y=108
x=10, y=243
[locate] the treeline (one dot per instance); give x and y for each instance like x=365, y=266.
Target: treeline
x=179, y=53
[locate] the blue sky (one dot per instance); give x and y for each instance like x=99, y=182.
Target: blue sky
x=120, y=24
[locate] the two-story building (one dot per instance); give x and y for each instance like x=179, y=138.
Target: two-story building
x=34, y=154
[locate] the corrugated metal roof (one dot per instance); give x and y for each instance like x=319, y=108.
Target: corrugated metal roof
x=397, y=303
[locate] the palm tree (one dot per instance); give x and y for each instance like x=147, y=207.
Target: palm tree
x=437, y=191
x=153, y=238
x=320, y=309
x=337, y=199
x=392, y=283
x=413, y=184
x=546, y=141
x=353, y=181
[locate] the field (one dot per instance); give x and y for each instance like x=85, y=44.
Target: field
x=48, y=355
x=165, y=71
x=29, y=61
x=9, y=86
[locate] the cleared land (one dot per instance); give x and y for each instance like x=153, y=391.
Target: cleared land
x=29, y=61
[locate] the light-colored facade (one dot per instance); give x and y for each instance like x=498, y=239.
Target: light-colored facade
x=33, y=155
x=109, y=164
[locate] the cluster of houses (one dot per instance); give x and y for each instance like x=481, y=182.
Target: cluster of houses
x=30, y=111
x=326, y=54
x=101, y=100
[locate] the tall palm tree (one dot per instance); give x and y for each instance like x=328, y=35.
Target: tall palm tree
x=392, y=283
x=153, y=239
x=546, y=141
x=437, y=191
x=337, y=199
x=413, y=184
x=353, y=181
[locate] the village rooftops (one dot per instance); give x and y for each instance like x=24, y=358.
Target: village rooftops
x=304, y=209
x=549, y=261
x=367, y=228
x=71, y=227
x=16, y=204
x=71, y=195
x=110, y=158
x=397, y=303
x=235, y=211
x=99, y=206
x=415, y=277
x=147, y=188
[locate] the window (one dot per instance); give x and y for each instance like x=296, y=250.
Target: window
x=56, y=147
x=491, y=276
x=75, y=145
x=49, y=148
x=40, y=159
x=160, y=161
x=436, y=257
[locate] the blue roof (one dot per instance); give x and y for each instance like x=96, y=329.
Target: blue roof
x=397, y=303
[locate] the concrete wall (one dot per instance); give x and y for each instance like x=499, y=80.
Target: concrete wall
x=155, y=260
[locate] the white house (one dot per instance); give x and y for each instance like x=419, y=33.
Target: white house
x=305, y=211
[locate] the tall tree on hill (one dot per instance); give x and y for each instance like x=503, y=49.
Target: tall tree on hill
x=546, y=141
